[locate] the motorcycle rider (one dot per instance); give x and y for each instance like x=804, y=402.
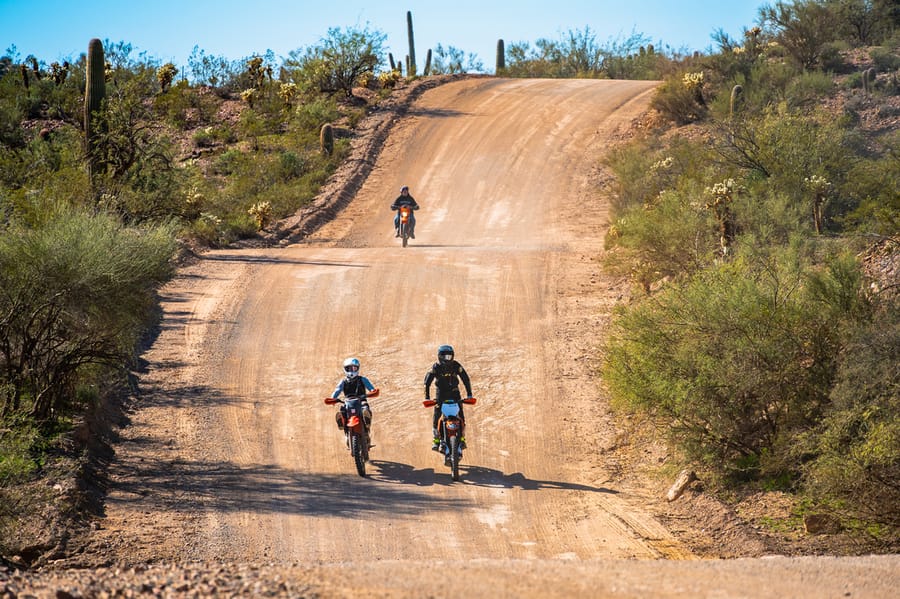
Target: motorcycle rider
x=446, y=374
x=353, y=385
x=405, y=199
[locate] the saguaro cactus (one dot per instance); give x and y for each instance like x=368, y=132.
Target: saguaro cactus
x=427, y=70
x=411, y=69
x=501, y=57
x=735, y=96
x=391, y=61
x=868, y=78
x=94, y=92
x=326, y=139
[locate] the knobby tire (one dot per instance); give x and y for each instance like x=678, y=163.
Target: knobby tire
x=454, y=457
x=358, y=454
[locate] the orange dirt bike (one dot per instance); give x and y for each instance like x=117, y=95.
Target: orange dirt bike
x=405, y=215
x=355, y=429
x=449, y=431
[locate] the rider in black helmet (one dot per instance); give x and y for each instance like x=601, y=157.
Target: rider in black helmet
x=405, y=199
x=446, y=374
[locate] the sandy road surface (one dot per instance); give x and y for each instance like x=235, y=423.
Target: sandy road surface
x=232, y=455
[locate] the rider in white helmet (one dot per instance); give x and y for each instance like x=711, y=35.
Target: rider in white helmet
x=354, y=385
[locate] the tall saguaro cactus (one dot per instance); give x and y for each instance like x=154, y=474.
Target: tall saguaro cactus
x=736, y=92
x=94, y=92
x=501, y=57
x=411, y=70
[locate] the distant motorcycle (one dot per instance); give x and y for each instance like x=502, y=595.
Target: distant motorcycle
x=449, y=432
x=355, y=430
x=405, y=214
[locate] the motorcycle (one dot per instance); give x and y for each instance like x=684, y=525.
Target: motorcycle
x=405, y=214
x=354, y=426
x=450, y=431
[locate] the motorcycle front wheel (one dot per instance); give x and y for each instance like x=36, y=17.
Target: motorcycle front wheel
x=404, y=233
x=454, y=458
x=356, y=449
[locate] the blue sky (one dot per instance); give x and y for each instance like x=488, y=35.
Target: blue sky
x=168, y=30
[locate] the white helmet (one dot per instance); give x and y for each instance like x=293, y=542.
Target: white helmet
x=351, y=368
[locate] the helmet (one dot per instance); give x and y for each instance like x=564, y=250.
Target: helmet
x=404, y=188
x=445, y=354
x=351, y=368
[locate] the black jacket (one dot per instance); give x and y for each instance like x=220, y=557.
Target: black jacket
x=446, y=379
x=405, y=200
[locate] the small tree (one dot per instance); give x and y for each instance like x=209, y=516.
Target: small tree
x=802, y=27
x=338, y=61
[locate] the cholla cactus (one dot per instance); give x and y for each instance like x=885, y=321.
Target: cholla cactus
x=722, y=194
x=257, y=72
x=693, y=81
x=165, y=75
x=249, y=96
x=820, y=187
x=388, y=79
x=261, y=213
x=287, y=92
x=663, y=164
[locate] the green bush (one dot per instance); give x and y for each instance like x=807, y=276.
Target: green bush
x=77, y=289
x=677, y=102
x=857, y=446
x=731, y=365
x=885, y=60
x=671, y=237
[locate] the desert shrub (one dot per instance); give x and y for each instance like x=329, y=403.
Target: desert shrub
x=76, y=290
x=808, y=88
x=290, y=165
x=11, y=134
x=311, y=115
x=643, y=169
x=668, y=238
x=213, y=71
x=337, y=62
x=230, y=162
x=731, y=365
x=885, y=60
x=203, y=138
x=857, y=445
x=872, y=186
x=803, y=28
x=832, y=59
x=785, y=148
x=677, y=101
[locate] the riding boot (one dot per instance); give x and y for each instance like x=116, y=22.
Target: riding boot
x=436, y=440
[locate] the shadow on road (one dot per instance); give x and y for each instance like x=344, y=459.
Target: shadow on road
x=226, y=487
x=273, y=260
x=398, y=473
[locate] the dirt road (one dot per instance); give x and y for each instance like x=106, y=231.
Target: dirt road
x=232, y=455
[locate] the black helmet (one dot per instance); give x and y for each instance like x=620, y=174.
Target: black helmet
x=445, y=354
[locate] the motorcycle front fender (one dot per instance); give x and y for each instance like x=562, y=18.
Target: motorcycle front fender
x=355, y=424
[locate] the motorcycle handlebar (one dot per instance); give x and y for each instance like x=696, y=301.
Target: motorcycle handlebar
x=430, y=403
x=334, y=400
